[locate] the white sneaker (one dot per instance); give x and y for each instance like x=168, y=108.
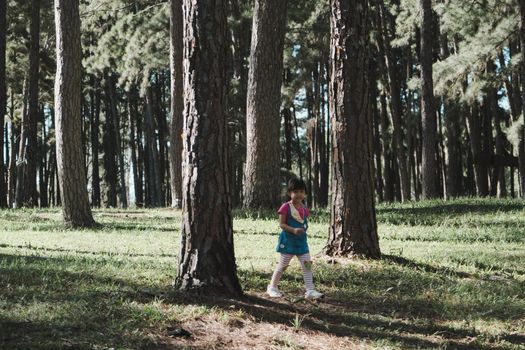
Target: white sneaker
x=273, y=292
x=313, y=294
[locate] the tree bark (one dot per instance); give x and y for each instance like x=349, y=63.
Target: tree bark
x=428, y=112
x=207, y=260
x=262, y=174
x=70, y=158
x=353, y=226
x=3, y=102
x=175, y=151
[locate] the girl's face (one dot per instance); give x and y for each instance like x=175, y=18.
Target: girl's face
x=297, y=195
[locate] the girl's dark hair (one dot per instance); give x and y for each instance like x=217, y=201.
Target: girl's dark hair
x=296, y=184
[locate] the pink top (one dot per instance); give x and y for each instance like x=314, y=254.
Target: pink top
x=285, y=210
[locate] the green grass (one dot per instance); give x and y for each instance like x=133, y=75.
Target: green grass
x=452, y=276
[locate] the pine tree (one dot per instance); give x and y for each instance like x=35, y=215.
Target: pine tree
x=206, y=259
x=70, y=157
x=353, y=226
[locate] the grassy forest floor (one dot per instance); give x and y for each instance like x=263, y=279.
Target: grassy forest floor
x=452, y=277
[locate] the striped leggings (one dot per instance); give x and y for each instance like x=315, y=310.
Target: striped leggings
x=305, y=261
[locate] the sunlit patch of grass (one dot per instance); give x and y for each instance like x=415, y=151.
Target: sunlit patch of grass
x=451, y=276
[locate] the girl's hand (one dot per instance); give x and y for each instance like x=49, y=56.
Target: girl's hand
x=298, y=230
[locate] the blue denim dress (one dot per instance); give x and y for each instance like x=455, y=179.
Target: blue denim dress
x=290, y=243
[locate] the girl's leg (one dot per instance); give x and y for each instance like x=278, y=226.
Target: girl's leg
x=306, y=264
x=278, y=272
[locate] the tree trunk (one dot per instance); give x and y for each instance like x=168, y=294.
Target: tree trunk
x=114, y=115
x=95, y=124
x=175, y=151
x=480, y=169
x=353, y=226
x=207, y=259
x=70, y=160
x=288, y=131
x=522, y=131
x=395, y=101
x=428, y=112
x=28, y=150
x=151, y=155
x=110, y=155
x=262, y=174
x=3, y=102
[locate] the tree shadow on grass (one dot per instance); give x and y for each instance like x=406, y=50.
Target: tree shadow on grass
x=107, y=311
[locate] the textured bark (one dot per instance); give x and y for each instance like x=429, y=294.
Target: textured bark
x=207, y=260
x=3, y=102
x=176, y=89
x=353, y=226
x=70, y=158
x=262, y=174
x=428, y=112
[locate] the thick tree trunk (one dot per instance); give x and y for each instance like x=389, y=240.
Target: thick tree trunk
x=70, y=160
x=3, y=102
x=262, y=174
x=428, y=111
x=207, y=259
x=176, y=89
x=353, y=226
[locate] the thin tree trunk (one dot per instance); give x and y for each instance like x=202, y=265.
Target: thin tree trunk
x=95, y=124
x=176, y=89
x=28, y=142
x=480, y=169
x=151, y=155
x=206, y=259
x=428, y=112
x=42, y=172
x=70, y=160
x=3, y=102
x=353, y=226
x=521, y=151
x=395, y=101
x=262, y=174
x=298, y=143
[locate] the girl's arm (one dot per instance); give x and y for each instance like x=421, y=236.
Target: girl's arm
x=288, y=228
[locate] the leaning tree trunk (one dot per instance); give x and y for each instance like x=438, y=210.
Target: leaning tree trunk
x=353, y=226
x=428, y=113
x=206, y=259
x=522, y=131
x=175, y=152
x=70, y=158
x=3, y=102
x=262, y=175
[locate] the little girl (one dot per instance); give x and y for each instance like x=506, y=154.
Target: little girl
x=293, y=219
